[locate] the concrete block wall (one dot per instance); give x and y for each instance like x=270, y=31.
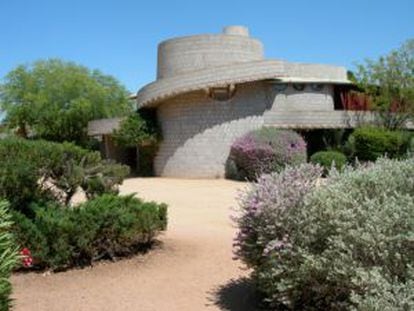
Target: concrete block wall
x=188, y=54
x=305, y=101
x=198, y=131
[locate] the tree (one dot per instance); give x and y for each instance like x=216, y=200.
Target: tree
x=138, y=128
x=54, y=100
x=390, y=82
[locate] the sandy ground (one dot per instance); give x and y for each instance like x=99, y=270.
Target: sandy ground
x=191, y=269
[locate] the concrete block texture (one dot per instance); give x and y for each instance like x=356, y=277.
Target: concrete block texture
x=306, y=101
x=187, y=54
x=198, y=131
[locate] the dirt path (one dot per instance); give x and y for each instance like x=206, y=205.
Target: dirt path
x=191, y=270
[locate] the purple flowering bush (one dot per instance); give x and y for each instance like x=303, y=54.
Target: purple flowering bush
x=346, y=244
x=263, y=151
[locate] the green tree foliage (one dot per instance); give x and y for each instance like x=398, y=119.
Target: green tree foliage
x=390, y=82
x=54, y=100
x=138, y=128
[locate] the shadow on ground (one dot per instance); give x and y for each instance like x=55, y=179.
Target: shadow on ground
x=236, y=295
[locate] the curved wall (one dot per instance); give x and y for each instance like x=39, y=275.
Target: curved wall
x=305, y=101
x=186, y=54
x=198, y=131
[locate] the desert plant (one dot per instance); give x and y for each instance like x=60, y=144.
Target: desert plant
x=327, y=159
x=104, y=227
x=345, y=245
x=37, y=170
x=370, y=143
x=264, y=208
x=266, y=150
x=8, y=256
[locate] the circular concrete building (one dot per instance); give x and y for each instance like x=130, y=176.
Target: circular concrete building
x=211, y=89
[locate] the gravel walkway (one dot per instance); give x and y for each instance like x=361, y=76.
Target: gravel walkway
x=191, y=269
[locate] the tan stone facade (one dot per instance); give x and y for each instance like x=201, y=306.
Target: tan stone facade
x=198, y=131
x=214, y=88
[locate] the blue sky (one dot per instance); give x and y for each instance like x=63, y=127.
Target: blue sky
x=120, y=37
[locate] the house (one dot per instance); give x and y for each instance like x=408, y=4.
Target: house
x=212, y=88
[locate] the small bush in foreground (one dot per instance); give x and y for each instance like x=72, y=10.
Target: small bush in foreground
x=104, y=227
x=327, y=159
x=263, y=151
x=8, y=256
x=345, y=245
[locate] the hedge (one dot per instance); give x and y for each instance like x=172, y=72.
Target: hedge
x=105, y=227
x=370, y=143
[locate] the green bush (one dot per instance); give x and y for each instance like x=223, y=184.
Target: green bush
x=138, y=128
x=146, y=155
x=8, y=256
x=328, y=158
x=370, y=143
x=345, y=245
x=104, y=227
x=32, y=171
x=263, y=151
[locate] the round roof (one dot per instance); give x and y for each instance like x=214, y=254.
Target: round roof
x=202, y=61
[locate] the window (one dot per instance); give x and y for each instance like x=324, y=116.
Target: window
x=222, y=93
x=280, y=87
x=317, y=86
x=299, y=86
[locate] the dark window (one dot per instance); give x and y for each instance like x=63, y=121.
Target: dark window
x=222, y=93
x=317, y=86
x=280, y=87
x=299, y=86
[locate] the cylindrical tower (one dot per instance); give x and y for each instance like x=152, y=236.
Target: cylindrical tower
x=187, y=54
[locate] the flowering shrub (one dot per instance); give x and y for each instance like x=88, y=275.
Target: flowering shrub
x=263, y=151
x=345, y=245
x=26, y=256
x=265, y=208
x=104, y=227
x=8, y=256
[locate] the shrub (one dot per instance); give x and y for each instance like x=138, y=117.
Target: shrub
x=8, y=256
x=146, y=155
x=138, y=128
x=104, y=227
x=346, y=245
x=265, y=206
x=33, y=171
x=370, y=143
x=265, y=150
x=327, y=159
